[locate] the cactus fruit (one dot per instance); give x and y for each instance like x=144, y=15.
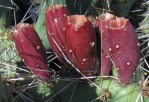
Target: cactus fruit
x=81, y=47
x=55, y=22
x=102, y=23
x=31, y=50
x=124, y=48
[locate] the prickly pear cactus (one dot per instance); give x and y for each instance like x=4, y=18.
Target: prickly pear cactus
x=9, y=57
x=73, y=37
x=107, y=91
x=8, y=54
x=40, y=24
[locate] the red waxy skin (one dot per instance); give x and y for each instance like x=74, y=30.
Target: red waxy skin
x=55, y=26
x=31, y=50
x=81, y=47
x=102, y=23
x=124, y=49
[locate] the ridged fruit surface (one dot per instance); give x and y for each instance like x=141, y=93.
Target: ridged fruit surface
x=30, y=49
x=55, y=22
x=81, y=47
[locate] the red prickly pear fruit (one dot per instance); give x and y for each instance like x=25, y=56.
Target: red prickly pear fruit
x=81, y=49
x=55, y=26
x=102, y=23
x=124, y=49
x=31, y=50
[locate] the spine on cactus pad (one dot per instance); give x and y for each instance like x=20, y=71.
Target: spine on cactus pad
x=81, y=47
x=31, y=50
x=124, y=48
x=55, y=22
x=102, y=23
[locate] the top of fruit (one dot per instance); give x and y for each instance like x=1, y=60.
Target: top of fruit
x=118, y=23
x=77, y=20
x=21, y=25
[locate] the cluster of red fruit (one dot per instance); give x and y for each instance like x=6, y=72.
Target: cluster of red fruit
x=73, y=37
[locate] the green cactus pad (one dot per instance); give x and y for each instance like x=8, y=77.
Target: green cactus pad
x=79, y=91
